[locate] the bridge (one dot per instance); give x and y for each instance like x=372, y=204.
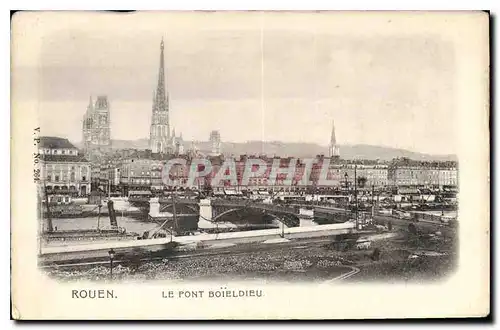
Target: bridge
x=215, y=210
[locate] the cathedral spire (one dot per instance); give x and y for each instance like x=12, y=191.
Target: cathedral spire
x=161, y=98
x=173, y=132
x=333, y=140
x=159, y=140
x=167, y=101
x=154, y=101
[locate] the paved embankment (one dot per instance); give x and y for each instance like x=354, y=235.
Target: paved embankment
x=96, y=257
x=100, y=250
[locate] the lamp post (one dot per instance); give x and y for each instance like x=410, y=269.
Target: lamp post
x=356, y=194
x=99, y=214
x=440, y=192
x=109, y=182
x=347, y=192
x=175, y=219
x=111, y=257
x=373, y=201
x=345, y=176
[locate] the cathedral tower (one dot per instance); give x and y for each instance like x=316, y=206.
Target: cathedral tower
x=215, y=142
x=159, y=136
x=87, y=125
x=97, y=127
x=102, y=123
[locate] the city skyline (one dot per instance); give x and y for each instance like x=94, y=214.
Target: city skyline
x=217, y=75
x=312, y=151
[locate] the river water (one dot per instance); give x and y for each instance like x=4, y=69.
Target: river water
x=130, y=224
x=139, y=226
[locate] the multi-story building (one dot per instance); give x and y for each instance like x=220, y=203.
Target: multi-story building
x=177, y=175
x=63, y=169
x=96, y=128
x=371, y=175
x=448, y=176
x=177, y=143
x=144, y=171
x=412, y=173
x=109, y=176
x=409, y=176
x=138, y=174
x=95, y=171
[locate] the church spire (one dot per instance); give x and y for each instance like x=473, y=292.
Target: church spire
x=161, y=98
x=160, y=128
x=333, y=148
x=333, y=140
x=154, y=101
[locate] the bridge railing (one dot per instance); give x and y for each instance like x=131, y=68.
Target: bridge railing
x=165, y=200
x=252, y=204
x=276, y=208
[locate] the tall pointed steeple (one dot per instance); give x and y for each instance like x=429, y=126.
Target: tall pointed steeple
x=333, y=149
x=173, y=132
x=154, y=101
x=333, y=140
x=161, y=95
x=159, y=140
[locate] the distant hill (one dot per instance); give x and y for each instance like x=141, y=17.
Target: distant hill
x=364, y=151
x=301, y=150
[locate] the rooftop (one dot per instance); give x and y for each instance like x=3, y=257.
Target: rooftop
x=64, y=158
x=53, y=142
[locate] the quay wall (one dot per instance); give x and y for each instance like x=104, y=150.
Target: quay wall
x=98, y=250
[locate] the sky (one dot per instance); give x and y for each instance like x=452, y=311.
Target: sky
x=251, y=77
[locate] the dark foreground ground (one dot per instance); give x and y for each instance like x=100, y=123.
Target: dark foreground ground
x=404, y=259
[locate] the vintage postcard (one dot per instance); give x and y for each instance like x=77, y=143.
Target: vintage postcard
x=250, y=165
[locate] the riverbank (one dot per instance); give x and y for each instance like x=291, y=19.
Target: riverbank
x=400, y=259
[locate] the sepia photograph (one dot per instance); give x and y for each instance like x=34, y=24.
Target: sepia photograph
x=255, y=151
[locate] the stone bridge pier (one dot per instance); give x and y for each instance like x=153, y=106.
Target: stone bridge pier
x=154, y=207
x=206, y=213
x=306, y=217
